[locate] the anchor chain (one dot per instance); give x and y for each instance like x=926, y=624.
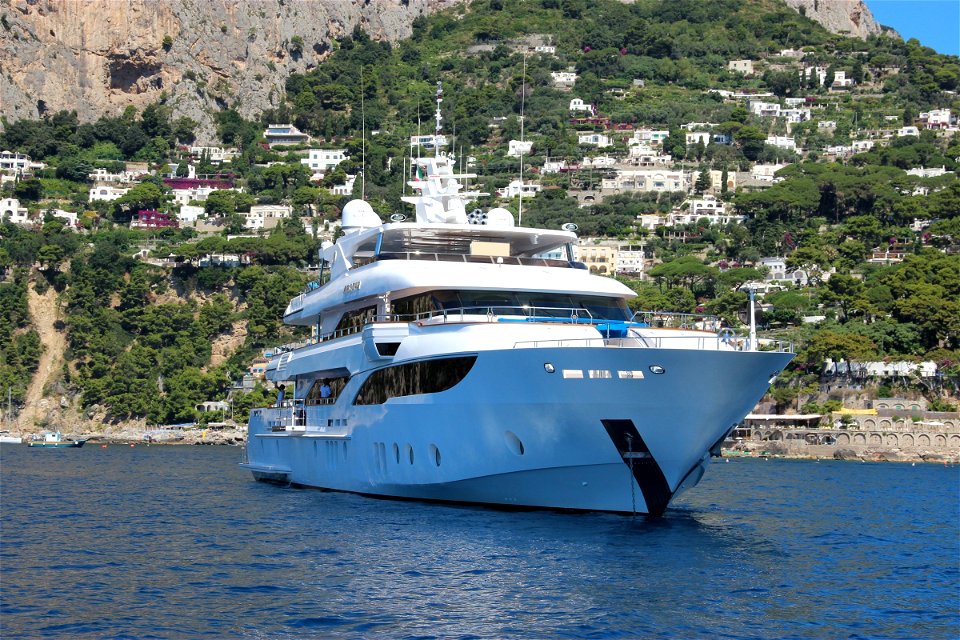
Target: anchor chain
x=633, y=495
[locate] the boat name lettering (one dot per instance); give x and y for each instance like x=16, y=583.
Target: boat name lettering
x=353, y=286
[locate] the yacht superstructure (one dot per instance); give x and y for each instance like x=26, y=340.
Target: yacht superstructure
x=461, y=358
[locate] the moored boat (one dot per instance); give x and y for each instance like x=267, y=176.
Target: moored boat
x=460, y=358
x=54, y=440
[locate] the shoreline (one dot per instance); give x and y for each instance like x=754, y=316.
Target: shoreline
x=849, y=455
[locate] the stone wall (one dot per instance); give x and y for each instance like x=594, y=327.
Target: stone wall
x=896, y=441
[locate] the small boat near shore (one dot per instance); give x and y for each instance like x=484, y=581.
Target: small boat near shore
x=7, y=438
x=54, y=440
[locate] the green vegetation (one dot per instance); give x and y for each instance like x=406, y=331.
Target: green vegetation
x=139, y=350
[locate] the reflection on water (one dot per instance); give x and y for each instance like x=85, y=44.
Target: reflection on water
x=178, y=542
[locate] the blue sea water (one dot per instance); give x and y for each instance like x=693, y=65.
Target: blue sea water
x=177, y=542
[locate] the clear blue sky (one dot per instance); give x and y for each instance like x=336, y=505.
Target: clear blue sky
x=935, y=23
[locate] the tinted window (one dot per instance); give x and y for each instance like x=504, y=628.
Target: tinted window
x=414, y=378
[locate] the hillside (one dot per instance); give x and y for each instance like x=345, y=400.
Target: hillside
x=100, y=57
x=151, y=329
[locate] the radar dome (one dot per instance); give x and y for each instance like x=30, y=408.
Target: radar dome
x=499, y=217
x=358, y=214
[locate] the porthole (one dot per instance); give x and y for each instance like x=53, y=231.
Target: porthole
x=549, y=368
x=410, y=453
x=514, y=444
x=435, y=454
x=657, y=369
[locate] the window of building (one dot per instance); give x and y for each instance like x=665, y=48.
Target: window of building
x=414, y=378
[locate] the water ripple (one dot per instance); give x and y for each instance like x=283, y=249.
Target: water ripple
x=96, y=545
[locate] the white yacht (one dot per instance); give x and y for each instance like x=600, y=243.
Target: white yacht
x=460, y=358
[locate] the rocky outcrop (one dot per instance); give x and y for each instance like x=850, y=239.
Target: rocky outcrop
x=849, y=17
x=100, y=56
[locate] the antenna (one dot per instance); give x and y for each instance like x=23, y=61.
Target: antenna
x=523, y=96
x=363, y=142
x=439, y=118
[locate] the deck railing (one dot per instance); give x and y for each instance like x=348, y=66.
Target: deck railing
x=564, y=315
x=671, y=320
x=724, y=341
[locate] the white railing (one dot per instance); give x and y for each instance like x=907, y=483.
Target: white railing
x=671, y=320
x=725, y=341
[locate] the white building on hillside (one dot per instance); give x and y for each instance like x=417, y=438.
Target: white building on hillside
x=649, y=137
x=266, y=216
x=577, y=104
x=657, y=180
x=553, y=166
x=630, y=260
x=741, y=66
x=796, y=116
x=703, y=137
x=186, y=196
x=323, y=160
x=216, y=155
x=104, y=193
x=18, y=164
x=11, y=211
x=927, y=172
x=784, y=142
x=765, y=172
x=564, y=78
x=345, y=189
x=189, y=214
x=599, y=162
x=599, y=140
x=765, y=109
x=644, y=156
x=517, y=148
x=101, y=175
x=521, y=189
x=937, y=119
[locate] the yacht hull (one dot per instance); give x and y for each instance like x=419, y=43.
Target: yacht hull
x=586, y=428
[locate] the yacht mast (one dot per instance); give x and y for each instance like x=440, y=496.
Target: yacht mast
x=363, y=142
x=523, y=96
x=439, y=118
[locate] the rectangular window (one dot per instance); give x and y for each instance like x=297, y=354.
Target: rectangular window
x=630, y=375
x=599, y=373
x=573, y=373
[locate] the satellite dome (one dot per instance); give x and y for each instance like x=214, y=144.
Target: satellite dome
x=499, y=217
x=358, y=214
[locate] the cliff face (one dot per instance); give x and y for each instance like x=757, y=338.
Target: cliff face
x=849, y=17
x=99, y=56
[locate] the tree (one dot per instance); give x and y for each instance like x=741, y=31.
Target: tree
x=703, y=180
x=844, y=291
x=146, y=195
x=836, y=346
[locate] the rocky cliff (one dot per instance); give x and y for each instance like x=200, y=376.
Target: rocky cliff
x=849, y=17
x=99, y=56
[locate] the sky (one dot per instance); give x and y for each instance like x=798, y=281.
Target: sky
x=935, y=23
